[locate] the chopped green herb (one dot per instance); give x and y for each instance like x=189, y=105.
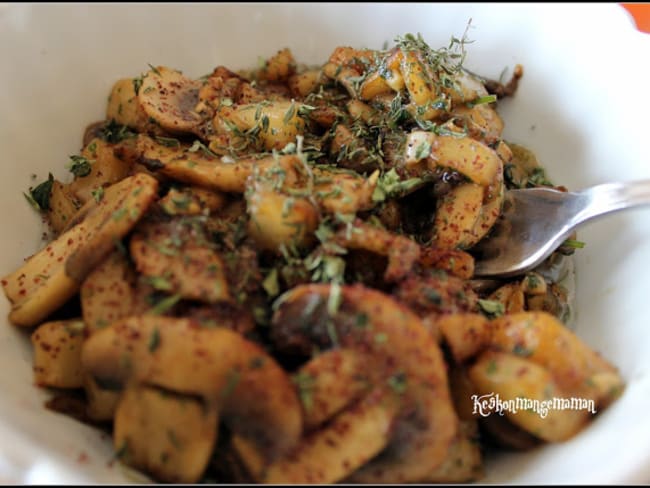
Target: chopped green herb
x=119, y=214
x=257, y=362
x=154, y=69
x=291, y=111
x=79, y=166
x=381, y=338
x=114, y=133
x=491, y=308
x=198, y=145
x=137, y=83
x=423, y=150
x=305, y=110
x=154, y=340
x=574, y=244
x=482, y=100
x=335, y=298
x=173, y=439
x=168, y=141
x=120, y=247
x=398, y=383
x=361, y=321
x=491, y=367
x=183, y=202
x=39, y=196
x=521, y=350
x=532, y=281
x=305, y=382
x=163, y=249
x=433, y=296
x=165, y=304
x=390, y=184
x=101, y=323
x=122, y=451
x=538, y=178
x=159, y=283
x=231, y=383
x=98, y=194
x=270, y=283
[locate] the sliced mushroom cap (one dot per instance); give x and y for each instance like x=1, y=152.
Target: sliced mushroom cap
x=252, y=393
x=349, y=441
x=329, y=382
x=522, y=384
x=399, y=346
x=402, y=252
x=53, y=275
x=170, y=99
x=199, y=167
x=544, y=340
x=111, y=292
x=170, y=436
x=177, y=257
x=472, y=158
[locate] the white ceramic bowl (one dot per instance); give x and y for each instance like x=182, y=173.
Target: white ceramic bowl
x=582, y=106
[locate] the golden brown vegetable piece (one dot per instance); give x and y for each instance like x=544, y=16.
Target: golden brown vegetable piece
x=251, y=392
x=349, y=441
x=170, y=99
x=277, y=219
x=436, y=293
x=511, y=296
x=420, y=86
x=456, y=215
x=513, y=377
x=400, y=347
x=105, y=170
x=54, y=274
x=199, y=167
x=304, y=83
x=125, y=108
x=57, y=354
x=462, y=390
x=271, y=125
x=344, y=191
x=63, y=206
x=192, y=201
x=329, y=382
x=101, y=402
x=170, y=436
x=501, y=432
x=402, y=252
x=177, y=258
x=465, y=334
x=111, y=292
x=464, y=462
x=278, y=67
x=482, y=121
x=533, y=284
x=456, y=262
x=544, y=340
x=468, y=211
x=471, y=158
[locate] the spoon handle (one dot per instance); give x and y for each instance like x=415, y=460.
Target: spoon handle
x=611, y=197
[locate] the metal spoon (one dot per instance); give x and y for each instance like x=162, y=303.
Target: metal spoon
x=536, y=221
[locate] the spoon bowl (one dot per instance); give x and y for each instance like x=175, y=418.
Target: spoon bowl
x=534, y=222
